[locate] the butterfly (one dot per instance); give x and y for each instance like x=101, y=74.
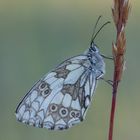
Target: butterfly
x=62, y=97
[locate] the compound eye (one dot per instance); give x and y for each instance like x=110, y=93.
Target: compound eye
x=63, y=112
x=94, y=48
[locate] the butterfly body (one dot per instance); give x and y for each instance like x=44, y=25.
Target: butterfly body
x=96, y=60
x=61, y=98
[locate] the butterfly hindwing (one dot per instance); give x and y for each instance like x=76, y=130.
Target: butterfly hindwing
x=61, y=98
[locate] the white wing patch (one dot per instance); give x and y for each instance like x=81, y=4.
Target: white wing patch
x=74, y=75
x=61, y=98
x=67, y=100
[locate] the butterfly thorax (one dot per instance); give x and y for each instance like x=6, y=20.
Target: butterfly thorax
x=96, y=60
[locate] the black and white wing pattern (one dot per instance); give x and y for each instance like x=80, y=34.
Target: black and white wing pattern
x=61, y=98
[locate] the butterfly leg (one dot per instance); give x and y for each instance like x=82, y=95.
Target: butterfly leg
x=107, y=57
x=110, y=82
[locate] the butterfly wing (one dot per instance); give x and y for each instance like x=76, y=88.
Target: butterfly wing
x=61, y=98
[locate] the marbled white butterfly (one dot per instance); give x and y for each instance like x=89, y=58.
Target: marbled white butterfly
x=61, y=98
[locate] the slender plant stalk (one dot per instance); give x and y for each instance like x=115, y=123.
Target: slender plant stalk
x=120, y=11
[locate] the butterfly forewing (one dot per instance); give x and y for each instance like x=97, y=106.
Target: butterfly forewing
x=61, y=98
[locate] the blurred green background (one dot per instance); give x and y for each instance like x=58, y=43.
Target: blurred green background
x=36, y=35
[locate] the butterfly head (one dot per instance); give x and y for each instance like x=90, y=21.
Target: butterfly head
x=93, y=48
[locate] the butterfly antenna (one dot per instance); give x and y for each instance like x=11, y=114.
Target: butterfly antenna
x=93, y=37
x=95, y=27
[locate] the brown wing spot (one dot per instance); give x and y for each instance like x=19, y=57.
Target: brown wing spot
x=43, y=88
x=81, y=96
x=61, y=72
x=60, y=112
x=68, y=88
x=74, y=90
x=53, y=108
x=46, y=92
x=63, y=112
x=42, y=85
x=75, y=114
